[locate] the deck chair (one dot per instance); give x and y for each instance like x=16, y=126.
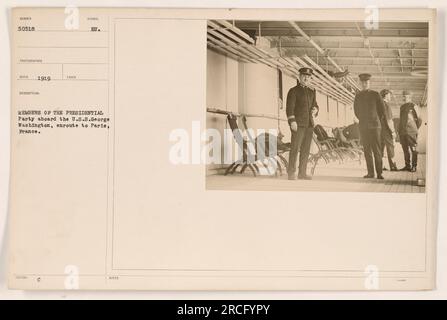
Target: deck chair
x=347, y=147
x=248, y=155
x=327, y=144
x=323, y=153
x=270, y=159
x=281, y=147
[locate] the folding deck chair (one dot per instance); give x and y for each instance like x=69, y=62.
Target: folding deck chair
x=326, y=145
x=252, y=158
x=243, y=142
x=332, y=143
x=281, y=147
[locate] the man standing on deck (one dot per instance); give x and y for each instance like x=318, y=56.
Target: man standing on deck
x=388, y=136
x=409, y=124
x=369, y=109
x=301, y=106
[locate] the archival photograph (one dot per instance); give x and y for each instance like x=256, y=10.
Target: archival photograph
x=235, y=150
x=317, y=105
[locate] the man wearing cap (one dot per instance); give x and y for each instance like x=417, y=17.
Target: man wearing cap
x=388, y=134
x=370, y=109
x=409, y=124
x=301, y=107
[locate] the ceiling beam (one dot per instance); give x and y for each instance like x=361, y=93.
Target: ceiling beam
x=389, y=65
x=344, y=46
x=342, y=36
x=386, y=69
x=337, y=56
x=400, y=30
x=360, y=52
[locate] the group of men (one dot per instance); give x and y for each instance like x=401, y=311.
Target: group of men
x=376, y=126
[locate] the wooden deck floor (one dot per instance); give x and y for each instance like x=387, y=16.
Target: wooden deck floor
x=328, y=177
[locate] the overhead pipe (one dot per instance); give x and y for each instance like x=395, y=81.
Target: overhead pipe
x=320, y=50
x=371, y=53
x=223, y=40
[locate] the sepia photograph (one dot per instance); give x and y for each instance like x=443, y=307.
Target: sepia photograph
x=317, y=105
x=235, y=150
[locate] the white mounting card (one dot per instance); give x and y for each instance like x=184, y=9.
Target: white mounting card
x=115, y=111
